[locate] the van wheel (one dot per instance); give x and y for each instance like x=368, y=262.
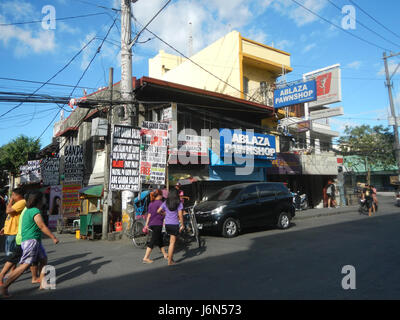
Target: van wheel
x=230, y=228
x=284, y=220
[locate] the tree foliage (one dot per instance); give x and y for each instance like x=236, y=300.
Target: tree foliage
x=374, y=146
x=16, y=153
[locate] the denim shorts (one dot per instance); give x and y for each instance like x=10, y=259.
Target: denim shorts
x=10, y=245
x=32, y=252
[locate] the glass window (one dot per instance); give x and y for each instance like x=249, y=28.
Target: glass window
x=245, y=85
x=266, y=190
x=225, y=195
x=250, y=193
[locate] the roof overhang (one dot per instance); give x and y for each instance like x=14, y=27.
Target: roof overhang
x=150, y=89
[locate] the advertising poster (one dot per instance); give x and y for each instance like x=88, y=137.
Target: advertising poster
x=153, y=155
x=73, y=164
x=50, y=170
x=55, y=205
x=125, y=157
x=70, y=200
x=30, y=173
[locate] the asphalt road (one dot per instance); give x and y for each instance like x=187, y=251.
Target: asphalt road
x=304, y=262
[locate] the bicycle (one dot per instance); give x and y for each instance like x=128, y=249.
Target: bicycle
x=138, y=221
x=191, y=229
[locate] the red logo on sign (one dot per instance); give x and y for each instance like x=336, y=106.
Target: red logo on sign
x=324, y=84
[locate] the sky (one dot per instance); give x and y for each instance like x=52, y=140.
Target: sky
x=38, y=52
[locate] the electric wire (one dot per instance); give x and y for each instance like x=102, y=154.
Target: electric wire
x=50, y=19
x=195, y=63
x=360, y=23
x=55, y=75
x=340, y=28
x=83, y=74
x=392, y=32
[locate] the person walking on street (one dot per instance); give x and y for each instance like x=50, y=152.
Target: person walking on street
x=173, y=209
x=330, y=191
x=32, y=249
x=375, y=199
x=155, y=222
x=13, y=210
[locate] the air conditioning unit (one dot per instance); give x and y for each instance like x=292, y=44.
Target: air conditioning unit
x=99, y=127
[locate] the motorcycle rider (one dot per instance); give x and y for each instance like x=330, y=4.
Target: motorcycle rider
x=367, y=195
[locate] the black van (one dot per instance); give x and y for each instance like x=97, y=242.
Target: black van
x=245, y=205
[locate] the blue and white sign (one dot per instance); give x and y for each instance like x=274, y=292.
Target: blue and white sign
x=247, y=144
x=294, y=94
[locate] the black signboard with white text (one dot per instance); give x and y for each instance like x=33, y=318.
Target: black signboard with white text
x=73, y=164
x=125, y=156
x=50, y=170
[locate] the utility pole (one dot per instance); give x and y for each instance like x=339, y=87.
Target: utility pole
x=393, y=111
x=127, y=87
x=126, y=60
x=107, y=192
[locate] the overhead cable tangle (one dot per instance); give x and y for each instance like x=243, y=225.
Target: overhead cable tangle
x=83, y=74
x=55, y=75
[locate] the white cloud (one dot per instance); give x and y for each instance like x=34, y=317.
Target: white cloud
x=354, y=65
x=64, y=27
x=309, y=47
x=25, y=40
x=89, y=51
x=284, y=44
x=210, y=20
x=392, y=65
x=295, y=12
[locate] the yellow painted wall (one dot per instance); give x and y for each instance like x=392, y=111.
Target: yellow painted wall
x=220, y=58
x=163, y=62
x=227, y=60
x=267, y=53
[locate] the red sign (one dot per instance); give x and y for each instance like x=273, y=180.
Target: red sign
x=118, y=164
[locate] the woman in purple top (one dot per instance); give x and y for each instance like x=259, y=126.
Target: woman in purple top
x=155, y=222
x=173, y=209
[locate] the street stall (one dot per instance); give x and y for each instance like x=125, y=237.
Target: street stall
x=91, y=211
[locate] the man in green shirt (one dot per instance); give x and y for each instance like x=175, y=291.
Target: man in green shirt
x=31, y=232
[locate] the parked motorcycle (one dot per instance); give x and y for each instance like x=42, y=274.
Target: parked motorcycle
x=300, y=201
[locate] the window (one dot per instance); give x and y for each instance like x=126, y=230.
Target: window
x=250, y=193
x=225, y=195
x=245, y=86
x=266, y=190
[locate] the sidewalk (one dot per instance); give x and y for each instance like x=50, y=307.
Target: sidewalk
x=383, y=197
x=314, y=213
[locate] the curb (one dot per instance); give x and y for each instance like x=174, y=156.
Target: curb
x=331, y=212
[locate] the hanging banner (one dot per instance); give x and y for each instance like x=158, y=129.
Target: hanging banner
x=73, y=164
x=50, y=170
x=153, y=153
x=71, y=203
x=125, y=157
x=30, y=173
x=295, y=93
